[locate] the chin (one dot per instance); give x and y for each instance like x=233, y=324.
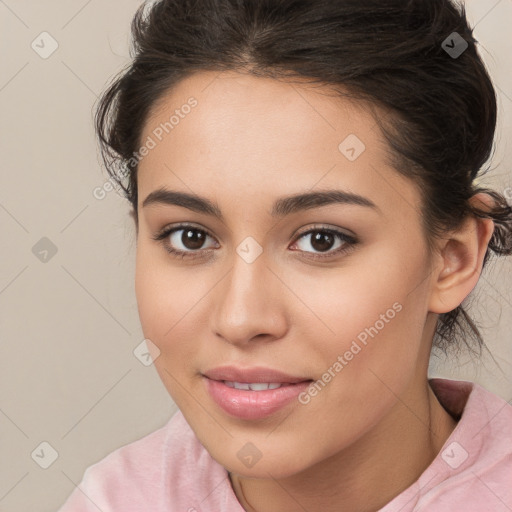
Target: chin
x=265, y=462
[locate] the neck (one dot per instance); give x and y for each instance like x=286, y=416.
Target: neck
x=366, y=475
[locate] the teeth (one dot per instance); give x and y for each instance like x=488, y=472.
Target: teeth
x=253, y=386
x=262, y=386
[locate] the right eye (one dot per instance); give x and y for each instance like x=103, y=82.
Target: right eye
x=184, y=240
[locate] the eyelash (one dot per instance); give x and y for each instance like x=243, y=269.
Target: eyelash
x=349, y=241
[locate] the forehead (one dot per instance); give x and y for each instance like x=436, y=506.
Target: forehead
x=280, y=114
x=235, y=133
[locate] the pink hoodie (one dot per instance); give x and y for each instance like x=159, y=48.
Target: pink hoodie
x=170, y=471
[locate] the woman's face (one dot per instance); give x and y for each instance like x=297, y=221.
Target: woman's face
x=330, y=289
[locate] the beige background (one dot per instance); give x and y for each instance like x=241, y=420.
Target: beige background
x=69, y=325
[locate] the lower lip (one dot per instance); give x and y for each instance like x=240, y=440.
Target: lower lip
x=253, y=405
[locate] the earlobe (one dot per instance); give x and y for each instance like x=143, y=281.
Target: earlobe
x=461, y=260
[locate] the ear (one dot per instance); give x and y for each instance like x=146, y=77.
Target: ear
x=461, y=259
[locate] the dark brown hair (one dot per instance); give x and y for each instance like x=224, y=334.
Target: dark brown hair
x=391, y=53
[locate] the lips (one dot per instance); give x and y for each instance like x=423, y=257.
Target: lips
x=252, y=393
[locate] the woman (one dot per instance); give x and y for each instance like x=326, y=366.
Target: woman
x=303, y=181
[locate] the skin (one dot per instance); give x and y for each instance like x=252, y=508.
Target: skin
x=377, y=425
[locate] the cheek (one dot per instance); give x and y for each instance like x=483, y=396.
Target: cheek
x=173, y=305
x=363, y=292
x=166, y=302
x=368, y=321
x=159, y=287
x=163, y=295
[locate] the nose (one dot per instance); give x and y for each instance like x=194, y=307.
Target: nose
x=249, y=303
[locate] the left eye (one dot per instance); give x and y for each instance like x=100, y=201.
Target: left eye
x=324, y=240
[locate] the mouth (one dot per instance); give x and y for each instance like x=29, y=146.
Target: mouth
x=253, y=393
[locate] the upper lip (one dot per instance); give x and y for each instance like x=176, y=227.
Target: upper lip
x=251, y=374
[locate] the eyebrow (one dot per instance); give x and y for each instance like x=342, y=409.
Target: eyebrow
x=282, y=206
